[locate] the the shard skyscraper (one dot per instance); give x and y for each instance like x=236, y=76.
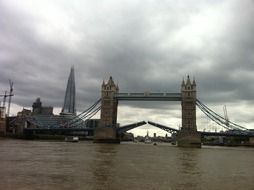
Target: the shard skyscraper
x=69, y=106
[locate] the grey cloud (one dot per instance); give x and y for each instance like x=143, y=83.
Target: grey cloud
x=135, y=44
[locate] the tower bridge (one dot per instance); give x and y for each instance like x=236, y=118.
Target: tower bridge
x=187, y=136
x=109, y=131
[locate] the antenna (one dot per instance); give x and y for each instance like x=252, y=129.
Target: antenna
x=5, y=95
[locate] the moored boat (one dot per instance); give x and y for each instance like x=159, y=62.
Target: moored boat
x=71, y=139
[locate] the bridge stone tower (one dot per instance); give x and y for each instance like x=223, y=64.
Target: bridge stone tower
x=109, y=103
x=188, y=135
x=107, y=131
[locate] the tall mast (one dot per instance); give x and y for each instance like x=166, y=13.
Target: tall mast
x=10, y=95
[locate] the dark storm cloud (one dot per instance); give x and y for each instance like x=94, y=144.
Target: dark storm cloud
x=35, y=67
x=145, y=47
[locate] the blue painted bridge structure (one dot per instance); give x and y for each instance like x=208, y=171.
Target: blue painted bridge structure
x=84, y=131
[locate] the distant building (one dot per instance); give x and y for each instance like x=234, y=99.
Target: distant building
x=69, y=106
x=24, y=112
x=43, y=117
x=38, y=109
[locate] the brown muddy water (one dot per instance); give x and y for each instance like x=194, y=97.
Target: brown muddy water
x=50, y=165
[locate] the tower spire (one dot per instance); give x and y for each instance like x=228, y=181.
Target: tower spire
x=69, y=106
x=188, y=80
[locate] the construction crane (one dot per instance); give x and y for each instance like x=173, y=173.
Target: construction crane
x=5, y=95
x=226, y=115
x=10, y=95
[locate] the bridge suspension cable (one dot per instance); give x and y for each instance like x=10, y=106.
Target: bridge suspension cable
x=94, y=112
x=86, y=117
x=225, y=123
x=86, y=113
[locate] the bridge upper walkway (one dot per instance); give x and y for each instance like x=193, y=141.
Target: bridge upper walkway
x=149, y=96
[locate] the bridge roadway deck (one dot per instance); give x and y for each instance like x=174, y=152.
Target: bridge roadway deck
x=149, y=96
x=132, y=126
x=227, y=134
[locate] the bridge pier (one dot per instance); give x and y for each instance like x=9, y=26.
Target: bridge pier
x=106, y=135
x=251, y=141
x=190, y=139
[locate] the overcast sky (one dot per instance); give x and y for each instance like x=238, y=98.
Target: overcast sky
x=145, y=45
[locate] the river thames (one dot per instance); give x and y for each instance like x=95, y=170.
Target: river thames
x=50, y=165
